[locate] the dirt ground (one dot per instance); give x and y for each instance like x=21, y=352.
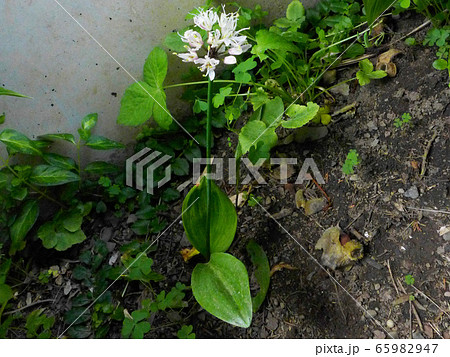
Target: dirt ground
x=380, y=205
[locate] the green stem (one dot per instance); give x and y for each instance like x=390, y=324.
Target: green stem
x=208, y=170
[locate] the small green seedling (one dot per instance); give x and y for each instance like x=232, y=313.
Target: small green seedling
x=253, y=201
x=351, y=161
x=186, y=332
x=136, y=324
x=409, y=279
x=366, y=72
x=405, y=119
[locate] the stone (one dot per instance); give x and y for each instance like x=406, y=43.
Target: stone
x=412, y=193
x=390, y=323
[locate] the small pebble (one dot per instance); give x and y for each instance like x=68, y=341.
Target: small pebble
x=390, y=323
x=371, y=313
x=401, y=190
x=377, y=286
x=447, y=294
x=412, y=193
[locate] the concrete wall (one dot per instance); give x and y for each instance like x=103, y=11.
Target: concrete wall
x=45, y=54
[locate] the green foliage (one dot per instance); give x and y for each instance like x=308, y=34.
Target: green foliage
x=38, y=325
x=351, y=162
x=253, y=201
x=262, y=272
x=375, y=8
x=173, y=300
x=404, y=120
x=221, y=287
x=409, y=279
x=223, y=226
x=8, y=92
x=143, y=100
x=136, y=325
x=186, y=332
x=366, y=72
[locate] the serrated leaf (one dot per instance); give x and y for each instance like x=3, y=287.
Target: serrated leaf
x=101, y=143
x=363, y=79
x=63, y=136
x=45, y=175
x=256, y=133
x=18, y=142
x=273, y=111
x=22, y=225
x=155, y=68
x=221, y=287
x=295, y=10
x=300, y=115
x=223, y=225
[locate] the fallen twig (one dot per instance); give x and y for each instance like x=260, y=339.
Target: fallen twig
x=428, y=298
x=413, y=308
x=429, y=210
x=29, y=305
x=425, y=154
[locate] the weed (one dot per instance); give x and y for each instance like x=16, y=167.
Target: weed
x=404, y=120
x=351, y=162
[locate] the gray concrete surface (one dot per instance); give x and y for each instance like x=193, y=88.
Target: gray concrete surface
x=45, y=54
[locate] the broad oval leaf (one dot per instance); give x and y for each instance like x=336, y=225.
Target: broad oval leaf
x=300, y=115
x=136, y=106
x=46, y=175
x=18, y=142
x=221, y=287
x=22, y=226
x=223, y=218
x=59, y=161
x=101, y=168
x=101, y=143
x=295, y=10
x=63, y=136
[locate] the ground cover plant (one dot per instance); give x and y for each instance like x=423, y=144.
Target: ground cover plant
x=304, y=84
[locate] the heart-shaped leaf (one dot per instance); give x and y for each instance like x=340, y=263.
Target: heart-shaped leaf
x=221, y=287
x=223, y=218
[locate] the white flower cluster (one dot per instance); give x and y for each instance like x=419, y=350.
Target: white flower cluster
x=223, y=40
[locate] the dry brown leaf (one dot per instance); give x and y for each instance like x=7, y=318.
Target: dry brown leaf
x=189, y=253
x=384, y=62
x=281, y=266
x=400, y=300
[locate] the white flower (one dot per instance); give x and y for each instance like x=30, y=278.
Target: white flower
x=206, y=19
x=193, y=38
x=214, y=39
x=190, y=56
x=229, y=60
x=238, y=49
x=209, y=65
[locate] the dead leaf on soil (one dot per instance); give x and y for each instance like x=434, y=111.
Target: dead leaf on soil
x=384, y=62
x=311, y=206
x=336, y=254
x=188, y=253
x=401, y=300
x=283, y=213
x=241, y=199
x=281, y=266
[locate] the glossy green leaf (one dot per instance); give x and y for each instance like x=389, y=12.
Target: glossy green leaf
x=45, y=175
x=5, y=294
x=101, y=168
x=375, y=8
x=223, y=219
x=221, y=287
x=4, y=91
x=59, y=238
x=366, y=66
x=440, y=64
x=60, y=161
x=262, y=272
x=51, y=137
x=174, y=43
x=72, y=221
x=101, y=143
x=300, y=115
x=22, y=225
x=18, y=142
